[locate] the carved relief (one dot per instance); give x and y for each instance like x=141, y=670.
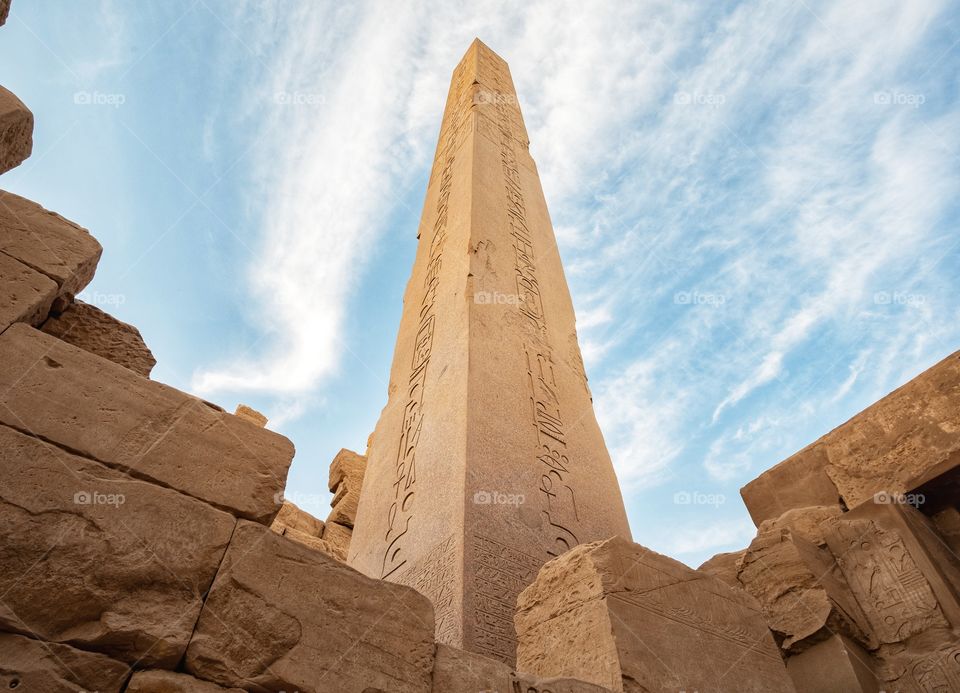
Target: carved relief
x=938, y=672
x=435, y=577
x=885, y=580
x=501, y=573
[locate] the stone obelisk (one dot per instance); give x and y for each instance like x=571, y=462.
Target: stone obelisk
x=487, y=460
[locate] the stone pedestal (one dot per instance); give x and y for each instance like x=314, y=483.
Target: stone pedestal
x=487, y=460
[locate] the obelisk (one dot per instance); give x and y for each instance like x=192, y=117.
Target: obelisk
x=487, y=460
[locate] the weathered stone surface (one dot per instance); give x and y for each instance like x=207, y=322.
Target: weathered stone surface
x=283, y=617
x=93, y=330
x=809, y=523
x=314, y=542
x=835, y=665
x=104, y=411
x=95, y=559
x=251, y=415
x=618, y=615
x=724, y=566
x=346, y=480
x=16, y=126
x=158, y=681
x=25, y=294
x=457, y=671
x=337, y=535
x=48, y=243
x=795, y=604
x=797, y=482
x=292, y=517
x=487, y=460
x=4, y=11
x=902, y=576
x=30, y=665
x=883, y=449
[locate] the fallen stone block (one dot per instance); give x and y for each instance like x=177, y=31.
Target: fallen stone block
x=724, y=566
x=159, y=681
x=337, y=536
x=97, y=560
x=346, y=480
x=293, y=517
x=883, y=449
x=93, y=330
x=25, y=294
x=283, y=617
x=251, y=415
x=621, y=616
x=458, y=671
x=48, y=243
x=835, y=665
x=16, y=124
x=31, y=665
x=104, y=411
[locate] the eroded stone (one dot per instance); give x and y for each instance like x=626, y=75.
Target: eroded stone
x=106, y=412
x=95, y=559
x=158, y=681
x=93, y=330
x=25, y=294
x=618, y=615
x=283, y=617
x=346, y=480
x=48, y=243
x=31, y=665
x=16, y=123
x=251, y=415
x=293, y=517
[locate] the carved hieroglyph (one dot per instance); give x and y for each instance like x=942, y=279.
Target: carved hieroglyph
x=487, y=460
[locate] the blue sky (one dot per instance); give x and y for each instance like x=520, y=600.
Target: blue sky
x=756, y=205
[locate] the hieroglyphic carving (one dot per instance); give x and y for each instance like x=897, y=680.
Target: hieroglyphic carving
x=435, y=577
x=938, y=672
x=885, y=580
x=400, y=512
x=556, y=493
x=501, y=573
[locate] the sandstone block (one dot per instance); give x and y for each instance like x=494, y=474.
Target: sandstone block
x=31, y=665
x=618, y=615
x=93, y=330
x=25, y=294
x=283, y=617
x=330, y=549
x=100, y=561
x=724, y=566
x=292, y=517
x=16, y=124
x=251, y=415
x=346, y=480
x=835, y=665
x=457, y=671
x=48, y=243
x=337, y=535
x=159, y=681
x=4, y=11
x=883, y=449
x=106, y=412
x=901, y=574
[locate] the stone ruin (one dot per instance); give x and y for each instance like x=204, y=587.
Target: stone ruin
x=147, y=546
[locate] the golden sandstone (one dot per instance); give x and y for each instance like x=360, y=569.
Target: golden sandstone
x=484, y=527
